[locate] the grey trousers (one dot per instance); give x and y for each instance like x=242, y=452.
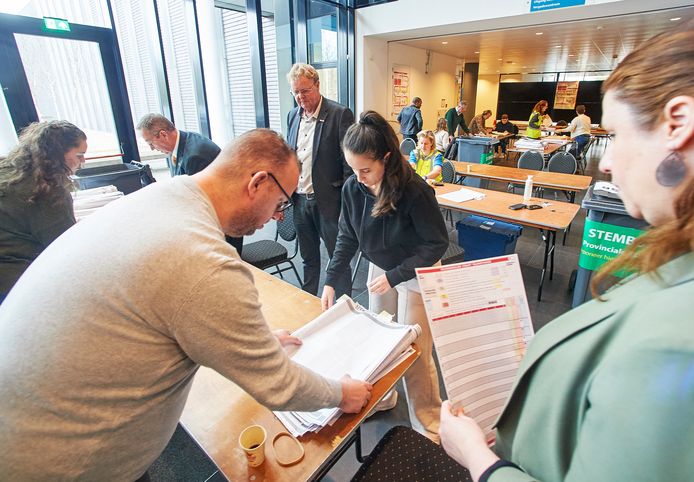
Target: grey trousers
x=404, y=301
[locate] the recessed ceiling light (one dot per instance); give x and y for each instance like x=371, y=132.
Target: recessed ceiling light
x=444, y=43
x=557, y=45
x=499, y=59
x=477, y=52
x=538, y=33
x=674, y=19
x=572, y=55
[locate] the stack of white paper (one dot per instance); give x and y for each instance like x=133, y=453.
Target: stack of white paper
x=526, y=143
x=462, y=195
x=346, y=340
x=86, y=201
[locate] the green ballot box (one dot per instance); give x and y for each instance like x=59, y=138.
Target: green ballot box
x=608, y=231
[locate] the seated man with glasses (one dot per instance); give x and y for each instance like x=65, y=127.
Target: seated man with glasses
x=96, y=370
x=315, y=130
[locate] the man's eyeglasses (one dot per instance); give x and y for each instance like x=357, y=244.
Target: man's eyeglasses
x=297, y=93
x=283, y=206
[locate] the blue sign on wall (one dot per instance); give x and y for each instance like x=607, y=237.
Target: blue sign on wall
x=540, y=5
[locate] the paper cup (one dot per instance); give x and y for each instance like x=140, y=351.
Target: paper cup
x=252, y=441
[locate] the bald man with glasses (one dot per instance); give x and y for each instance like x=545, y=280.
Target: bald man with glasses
x=315, y=129
x=96, y=370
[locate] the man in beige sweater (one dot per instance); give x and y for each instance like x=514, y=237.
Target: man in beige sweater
x=101, y=337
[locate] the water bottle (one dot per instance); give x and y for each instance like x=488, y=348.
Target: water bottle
x=528, y=191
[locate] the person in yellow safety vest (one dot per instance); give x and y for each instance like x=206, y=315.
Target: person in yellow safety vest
x=426, y=160
x=535, y=122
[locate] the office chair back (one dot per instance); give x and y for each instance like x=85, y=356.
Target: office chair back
x=406, y=146
x=563, y=162
x=285, y=228
x=448, y=172
x=531, y=160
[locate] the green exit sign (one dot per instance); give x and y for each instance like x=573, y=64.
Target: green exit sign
x=59, y=24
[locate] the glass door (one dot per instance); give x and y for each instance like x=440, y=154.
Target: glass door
x=74, y=76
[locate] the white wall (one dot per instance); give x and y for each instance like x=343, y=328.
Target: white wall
x=488, y=96
x=404, y=19
x=431, y=87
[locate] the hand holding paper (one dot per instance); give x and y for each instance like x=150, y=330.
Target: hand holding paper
x=464, y=441
x=355, y=394
x=328, y=298
x=285, y=338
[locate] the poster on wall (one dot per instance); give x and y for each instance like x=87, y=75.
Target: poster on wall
x=400, y=89
x=565, y=96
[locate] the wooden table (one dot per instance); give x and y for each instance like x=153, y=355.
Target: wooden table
x=218, y=410
x=572, y=183
x=552, y=218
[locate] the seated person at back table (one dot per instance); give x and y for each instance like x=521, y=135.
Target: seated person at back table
x=426, y=160
x=505, y=126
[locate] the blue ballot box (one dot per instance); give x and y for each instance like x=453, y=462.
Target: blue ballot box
x=478, y=150
x=485, y=238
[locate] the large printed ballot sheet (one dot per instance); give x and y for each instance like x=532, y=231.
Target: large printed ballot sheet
x=480, y=321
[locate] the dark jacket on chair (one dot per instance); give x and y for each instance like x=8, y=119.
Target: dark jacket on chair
x=329, y=169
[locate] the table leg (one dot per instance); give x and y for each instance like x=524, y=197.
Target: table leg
x=544, y=263
x=554, y=244
x=354, y=438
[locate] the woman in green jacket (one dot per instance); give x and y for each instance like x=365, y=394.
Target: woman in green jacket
x=35, y=202
x=606, y=392
x=535, y=121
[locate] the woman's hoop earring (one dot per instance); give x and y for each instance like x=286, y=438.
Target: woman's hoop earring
x=671, y=171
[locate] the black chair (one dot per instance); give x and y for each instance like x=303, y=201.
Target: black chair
x=581, y=159
x=448, y=172
x=563, y=162
x=454, y=254
x=528, y=160
x=532, y=160
x=405, y=455
x=269, y=253
x=406, y=146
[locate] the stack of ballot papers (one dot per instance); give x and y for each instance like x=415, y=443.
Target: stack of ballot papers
x=462, y=195
x=526, y=143
x=349, y=340
x=86, y=201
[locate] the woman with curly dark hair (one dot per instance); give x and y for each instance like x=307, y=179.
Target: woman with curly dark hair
x=35, y=202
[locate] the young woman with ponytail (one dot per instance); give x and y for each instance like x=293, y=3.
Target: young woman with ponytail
x=391, y=215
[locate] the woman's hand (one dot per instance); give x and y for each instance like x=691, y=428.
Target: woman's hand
x=379, y=286
x=285, y=338
x=328, y=297
x=464, y=441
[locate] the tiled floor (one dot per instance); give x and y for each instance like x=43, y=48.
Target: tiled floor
x=183, y=460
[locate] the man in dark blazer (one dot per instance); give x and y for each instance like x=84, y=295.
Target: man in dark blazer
x=187, y=152
x=315, y=129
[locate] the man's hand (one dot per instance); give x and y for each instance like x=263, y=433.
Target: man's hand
x=355, y=394
x=379, y=286
x=464, y=441
x=328, y=297
x=285, y=338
